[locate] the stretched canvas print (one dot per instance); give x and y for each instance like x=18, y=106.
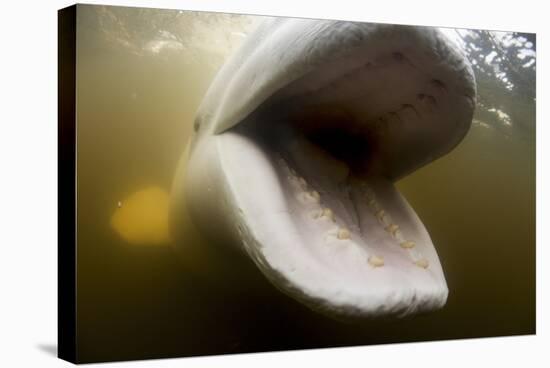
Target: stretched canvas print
x=234, y=183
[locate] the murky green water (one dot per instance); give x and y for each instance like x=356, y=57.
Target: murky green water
x=138, y=89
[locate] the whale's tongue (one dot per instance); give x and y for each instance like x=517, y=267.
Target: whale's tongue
x=333, y=238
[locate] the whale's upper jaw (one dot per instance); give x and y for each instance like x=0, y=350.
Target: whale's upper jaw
x=299, y=57
x=304, y=138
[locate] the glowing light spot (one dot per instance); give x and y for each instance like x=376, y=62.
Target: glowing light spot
x=143, y=220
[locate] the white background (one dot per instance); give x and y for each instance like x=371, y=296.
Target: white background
x=28, y=184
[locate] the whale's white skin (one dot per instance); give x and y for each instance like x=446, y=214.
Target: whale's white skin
x=296, y=147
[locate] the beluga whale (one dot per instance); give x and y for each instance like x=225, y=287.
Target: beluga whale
x=296, y=149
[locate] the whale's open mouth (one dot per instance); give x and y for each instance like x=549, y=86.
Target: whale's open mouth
x=310, y=172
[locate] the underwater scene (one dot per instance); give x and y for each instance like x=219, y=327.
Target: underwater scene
x=158, y=275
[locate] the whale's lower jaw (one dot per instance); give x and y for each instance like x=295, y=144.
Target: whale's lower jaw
x=346, y=245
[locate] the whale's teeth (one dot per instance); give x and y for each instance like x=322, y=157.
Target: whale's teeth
x=327, y=213
x=423, y=263
x=297, y=182
x=373, y=205
x=392, y=229
x=315, y=195
x=309, y=197
x=343, y=233
x=385, y=220
x=407, y=244
x=376, y=261
x=379, y=214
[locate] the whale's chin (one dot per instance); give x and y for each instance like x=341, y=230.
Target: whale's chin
x=303, y=182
